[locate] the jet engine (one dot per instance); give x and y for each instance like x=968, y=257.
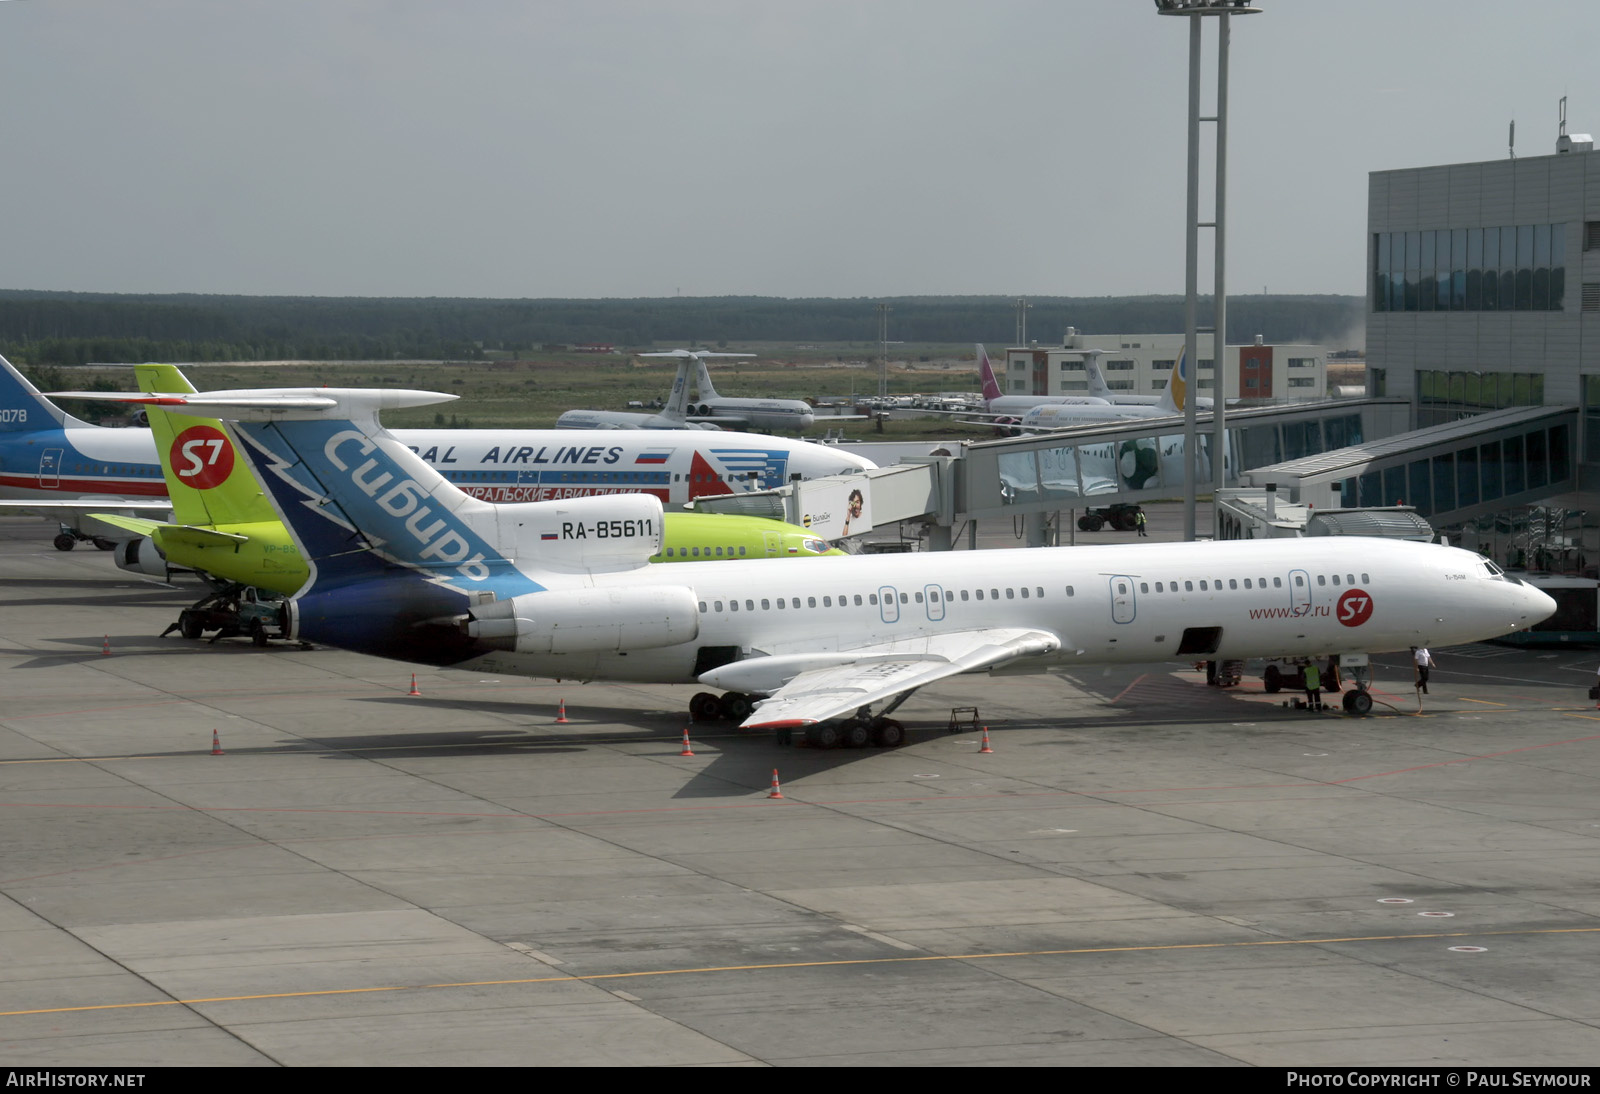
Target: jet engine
x=588, y=620
x=141, y=556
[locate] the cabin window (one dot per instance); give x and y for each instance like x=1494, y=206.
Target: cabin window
x=1144, y=586
x=1188, y=586
x=933, y=597
x=827, y=602
x=858, y=600
x=719, y=552
x=1299, y=581
x=696, y=551
x=1336, y=579
x=702, y=607
x=1349, y=579
x=1011, y=594
x=717, y=604
x=780, y=603
x=733, y=605
x=1277, y=583
x=811, y=602
x=1158, y=587
x=1202, y=586
x=919, y=597
x=1024, y=592
x=741, y=552
x=980, y=594
x=766, y=605
x=794, y=602
x=1069, y=590
x=872, y=598
x=994, y=594
x=1365, y=580
x=1247, y=583
x=963, y=594
x=750, y=605
x=906, y=600
x=1039, y=591
x=1233, y=583
x=1321, y=579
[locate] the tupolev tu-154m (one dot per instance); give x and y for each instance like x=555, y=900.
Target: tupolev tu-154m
x=406, y=566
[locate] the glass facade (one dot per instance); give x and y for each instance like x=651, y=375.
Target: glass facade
x=1449, y=396
x=1521, y=268
x=1536, y=459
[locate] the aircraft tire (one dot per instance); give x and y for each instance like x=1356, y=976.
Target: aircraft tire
x=888, y=733
x=854, y=733
x=823, y=736
x=1360, y=703
x=64, y=542
x=258, y=636
x=705, y=707
x=735, y=706
x=104, y=544
x=190, y=625
x=1272, y=679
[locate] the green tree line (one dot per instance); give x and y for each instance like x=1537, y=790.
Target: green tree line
x=79, y=328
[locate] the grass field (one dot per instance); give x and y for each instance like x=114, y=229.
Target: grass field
x=530, y=393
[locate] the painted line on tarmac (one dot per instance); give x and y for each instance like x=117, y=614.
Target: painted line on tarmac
x=838, y=963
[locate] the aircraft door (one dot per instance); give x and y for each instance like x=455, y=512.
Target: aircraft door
x=1300, y=592
x=774, y=544
x=933, y=600
x=1123, y=604
x=888, y=604
x=50, y=467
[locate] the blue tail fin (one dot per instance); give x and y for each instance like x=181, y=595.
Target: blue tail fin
x=23, y=409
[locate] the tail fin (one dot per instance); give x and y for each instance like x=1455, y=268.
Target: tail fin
x=1176, y=396
x=205, y=481
x=702, y=380
x=991, y=386
x=678, y=402
x=23, y=409
x=1097, y=379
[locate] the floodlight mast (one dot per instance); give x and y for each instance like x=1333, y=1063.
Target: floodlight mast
x=1195, y=10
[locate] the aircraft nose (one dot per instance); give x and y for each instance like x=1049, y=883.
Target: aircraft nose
x=1537, y=605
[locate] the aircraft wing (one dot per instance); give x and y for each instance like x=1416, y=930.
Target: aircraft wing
x=719, y=420
x=804, y=689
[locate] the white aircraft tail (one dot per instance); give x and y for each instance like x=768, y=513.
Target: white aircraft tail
x=24, y=410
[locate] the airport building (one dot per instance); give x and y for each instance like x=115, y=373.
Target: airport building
x=1483, y=294
x=1140, y=364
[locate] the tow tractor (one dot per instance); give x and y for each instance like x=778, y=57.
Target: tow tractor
x=1124, y=518
x=231, y=611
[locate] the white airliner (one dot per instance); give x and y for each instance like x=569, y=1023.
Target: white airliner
x=755, y=413
x=1062, y=411
x=54, y=464
x=1101, y=389
x=708, y=410
x=995, y=401
x=561, y=589
x=675, y=415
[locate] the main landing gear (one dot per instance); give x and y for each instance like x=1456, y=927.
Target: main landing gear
x=857, y=731
x=68, y=538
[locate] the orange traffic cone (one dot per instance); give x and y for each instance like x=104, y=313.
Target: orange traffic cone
x=216, y=744
x=775, y=792
x=105, y=650
x=414, y=691
x=561, y=711
x=686, y=749
x=985, y=747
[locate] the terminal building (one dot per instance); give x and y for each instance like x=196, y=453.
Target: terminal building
x=1140, y=364
x=1483, y=294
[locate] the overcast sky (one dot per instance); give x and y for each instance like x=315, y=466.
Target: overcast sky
x=533, y=148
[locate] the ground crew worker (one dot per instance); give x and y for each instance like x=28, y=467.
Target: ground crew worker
x=1313, y=680
x=1424, y=661
x=1139, y=519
